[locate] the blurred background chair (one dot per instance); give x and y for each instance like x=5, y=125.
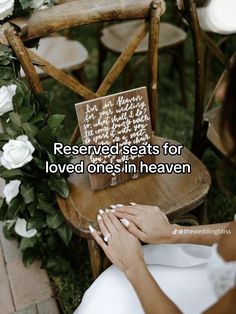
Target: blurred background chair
x=207, y=130
x=114, y=39
x=176, y=194
x=65, y=54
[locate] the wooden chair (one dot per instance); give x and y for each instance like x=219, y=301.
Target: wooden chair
x=175, y=194
x=207, y=131
x=65, y=54
x=114, y=39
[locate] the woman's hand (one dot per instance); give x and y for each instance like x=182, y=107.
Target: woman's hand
x=148, y=223
x=122, y=248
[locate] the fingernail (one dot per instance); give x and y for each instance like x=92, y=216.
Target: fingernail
x=101, y=211
x=113, y=206
x=99, y=217
x=125, y=222
x=112, y=210
x=131, y=203
x=119, y=205
x=107, y=210
x=91, y=229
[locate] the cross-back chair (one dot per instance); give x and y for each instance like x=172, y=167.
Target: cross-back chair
x=207, y=130
x=175, y=194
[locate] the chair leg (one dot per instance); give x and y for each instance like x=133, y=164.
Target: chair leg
x=80, y=75
x=199, y=140
x=180, y=69
x=202, y=214
x=95, y=254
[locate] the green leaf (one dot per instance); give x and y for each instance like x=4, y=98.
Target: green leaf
x=30, y=255
x=39, y=117
x=16, y=205
x=31, y=208
x=30, y=129
x=6, y=73
x=26, y=4
x=4, y=137
x=3, y=209
x=5, y=54
x=12, y=132
x=27, y=193
x=59, y=185
x=45, y=204
x=26, y=243
x=26, y=113
x=19, y=96
x=9, y=174
x=55, y=120
x=37, y=222
x=52, y=241
x=8, y=229
x=40, y=163
x=65, y=232
x=15, y=119
x=46, y=136
x=55, y=221
x=57, y=265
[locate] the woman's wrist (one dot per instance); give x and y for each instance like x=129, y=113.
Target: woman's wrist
x=173, y=234
x=134, y=270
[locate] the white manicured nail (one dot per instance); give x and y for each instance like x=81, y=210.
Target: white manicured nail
x=107, y=210
x=101, y=211
x=91, y=229
x=131, y=203
x=99, y=217
x=112, y=210
x=119, y=205
x=125, y=222
x=113, y=206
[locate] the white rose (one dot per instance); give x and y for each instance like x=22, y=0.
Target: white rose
x=6, y=8
x=11, y=190
x=6, y=95
x=20, y=229
x=17, y=153
x=36, y=4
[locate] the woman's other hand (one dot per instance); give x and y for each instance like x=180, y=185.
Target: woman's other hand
x=148, y=223
x=122, y=248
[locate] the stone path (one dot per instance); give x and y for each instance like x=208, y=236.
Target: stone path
x=23, y=290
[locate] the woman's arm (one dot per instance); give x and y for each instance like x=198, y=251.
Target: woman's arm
x=151, y=225
x=152, y=298
x=124, y=250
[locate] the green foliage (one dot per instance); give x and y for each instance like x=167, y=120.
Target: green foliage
x=36, y=200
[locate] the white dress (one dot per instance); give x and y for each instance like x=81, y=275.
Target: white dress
x=194, y=277
x=218, y=16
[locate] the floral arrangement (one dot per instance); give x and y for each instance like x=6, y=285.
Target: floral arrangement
x=29, y=206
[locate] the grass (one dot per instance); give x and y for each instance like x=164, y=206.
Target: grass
x=174, y=121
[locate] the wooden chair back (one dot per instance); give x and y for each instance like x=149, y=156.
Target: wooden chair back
x=83, y=12
x=202, y=42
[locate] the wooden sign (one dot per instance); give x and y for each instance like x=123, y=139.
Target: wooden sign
x=119, y=121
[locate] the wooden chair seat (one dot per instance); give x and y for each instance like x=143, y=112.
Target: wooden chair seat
x=116, y=37
x=222, y=143
x=67, y=55
x=174, y=193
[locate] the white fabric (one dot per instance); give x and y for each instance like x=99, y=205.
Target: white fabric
x=179, y=269
x=222, y=274
x=218, y=16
